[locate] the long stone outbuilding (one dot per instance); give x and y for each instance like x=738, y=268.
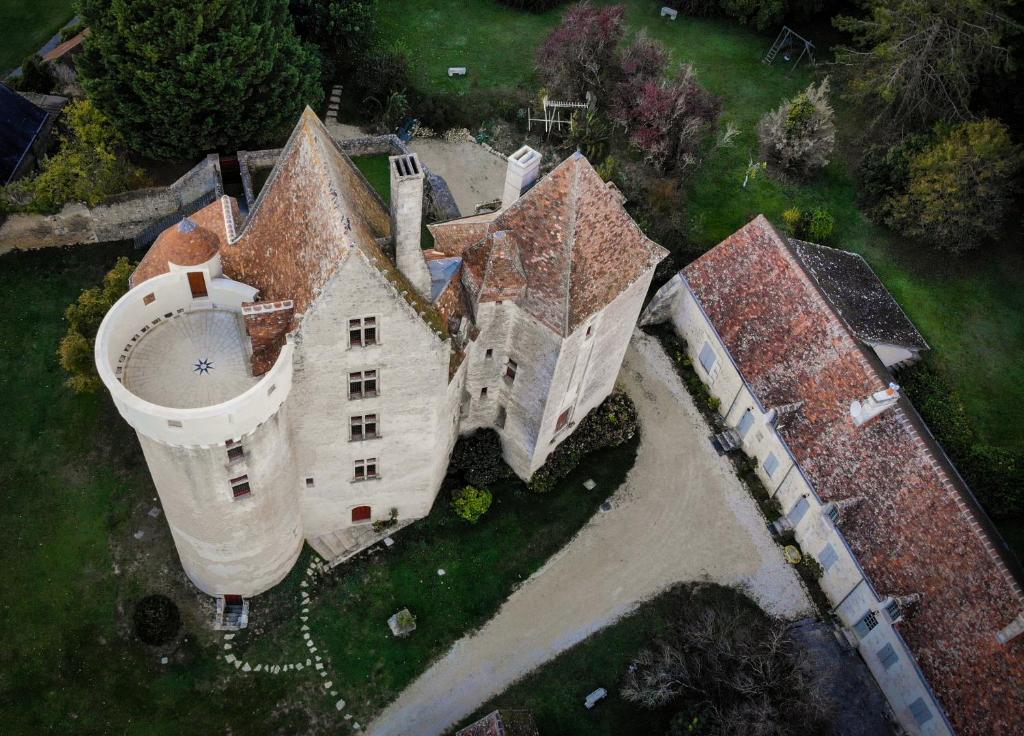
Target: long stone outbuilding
x=921, y=583
x=297, y=376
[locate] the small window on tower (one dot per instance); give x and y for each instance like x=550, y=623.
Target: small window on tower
x=309, y=483
x=500, y=421
x=235, y=452
x=149, y=299
x=510, y=369
x=483, y=393
x=240, y=486
x=489, y=354
x=563, y=419
x=590, y=330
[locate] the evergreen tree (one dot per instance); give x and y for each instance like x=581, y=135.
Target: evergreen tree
x=180, y=77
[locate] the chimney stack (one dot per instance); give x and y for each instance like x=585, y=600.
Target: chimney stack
x=522, y=173
x=406, y=220
x=875, y=404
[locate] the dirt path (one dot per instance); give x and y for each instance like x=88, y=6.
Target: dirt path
x=680, y=515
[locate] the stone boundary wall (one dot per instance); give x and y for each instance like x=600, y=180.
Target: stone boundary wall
x=438, y=204
x=120, y=217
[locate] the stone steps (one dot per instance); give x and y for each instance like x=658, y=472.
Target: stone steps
x=338, y=546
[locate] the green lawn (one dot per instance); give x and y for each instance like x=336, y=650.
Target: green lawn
x=555, y=691
x=25, y=25
x=967, y=307
x=73, y=491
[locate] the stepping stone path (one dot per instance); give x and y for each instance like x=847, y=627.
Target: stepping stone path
x=315, y=569
x=334, y=102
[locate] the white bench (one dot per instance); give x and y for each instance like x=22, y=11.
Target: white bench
x=599, y=694
x=456, y=71
x=667, y=11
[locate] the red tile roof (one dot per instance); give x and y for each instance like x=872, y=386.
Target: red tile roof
x=568, y=249
x=194, y=240
x=918, y=530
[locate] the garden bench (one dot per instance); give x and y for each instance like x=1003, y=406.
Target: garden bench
x=667, y=11
x=599, y=694
x=456, y=71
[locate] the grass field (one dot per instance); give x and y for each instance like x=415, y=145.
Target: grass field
x=74, y=489
x=968, y=307
x=25, y=25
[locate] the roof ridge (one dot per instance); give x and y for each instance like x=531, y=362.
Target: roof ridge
x=570, y=241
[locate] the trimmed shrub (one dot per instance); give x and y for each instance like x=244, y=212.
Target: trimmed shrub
x=477, y=458
x=471, y=503
x=816, y=225
x=609, y=425
x=157, y=619
x=798, y=137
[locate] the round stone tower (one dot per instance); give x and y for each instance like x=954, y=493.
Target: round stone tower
x=174, y=354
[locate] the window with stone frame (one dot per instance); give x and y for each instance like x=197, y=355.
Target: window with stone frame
x=235, y=451
x=240, y=486
x=363, y=427
x=362, y=384
x=563, y=419
x=365, y=469
x=510, y=370
x=362, y=332
x=483, y=393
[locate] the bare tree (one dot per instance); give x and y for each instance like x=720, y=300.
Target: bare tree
x=920, y=60
x=737, y=666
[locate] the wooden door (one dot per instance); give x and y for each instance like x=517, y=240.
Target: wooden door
x=197, y=283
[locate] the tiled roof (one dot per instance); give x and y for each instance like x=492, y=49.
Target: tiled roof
x=314, y=211
x=918, y=530
x=857, y=295
x=194, y=240
x=568, y=248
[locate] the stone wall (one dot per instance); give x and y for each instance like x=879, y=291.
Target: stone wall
x=438, y=203
x=120, y=217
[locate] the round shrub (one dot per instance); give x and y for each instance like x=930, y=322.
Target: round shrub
x=157, y=619
x=471, y=503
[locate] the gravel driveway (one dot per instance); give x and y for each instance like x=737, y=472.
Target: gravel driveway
x=680, y=515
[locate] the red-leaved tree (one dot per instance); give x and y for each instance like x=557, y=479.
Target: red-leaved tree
x=668, y=119
x=579, y=55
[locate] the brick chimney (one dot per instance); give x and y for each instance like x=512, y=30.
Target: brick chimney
x=407, y=218
x=522, y=173
x=875, y=404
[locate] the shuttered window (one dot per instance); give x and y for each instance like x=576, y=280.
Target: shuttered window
x=745, y=423
x=707, y=357
x=921, y=712
x=828, y=557
x=887, y=656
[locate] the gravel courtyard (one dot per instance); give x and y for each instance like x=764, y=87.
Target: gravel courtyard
x=681, y=515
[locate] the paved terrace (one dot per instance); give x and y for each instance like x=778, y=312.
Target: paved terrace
x=192, y=360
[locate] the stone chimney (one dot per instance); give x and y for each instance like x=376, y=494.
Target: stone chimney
x=875, y=404
x=522, y=173
x=407, y=218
